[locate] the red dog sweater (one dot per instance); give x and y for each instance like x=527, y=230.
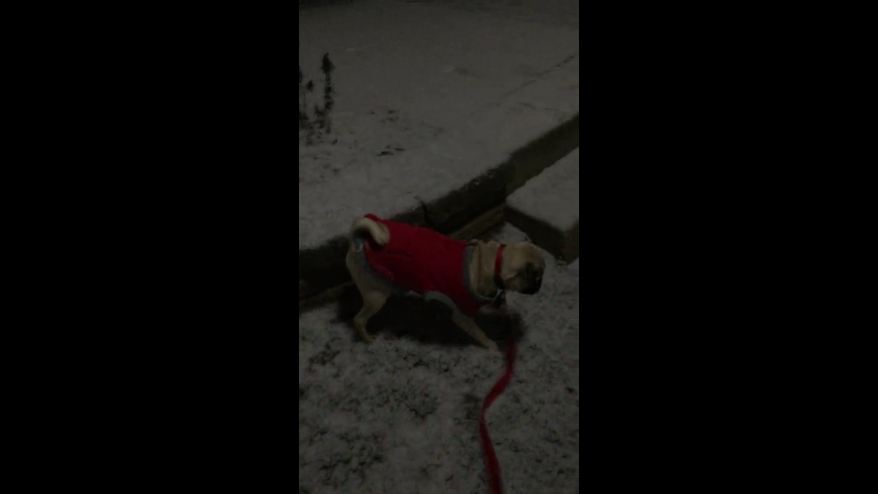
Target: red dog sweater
x=424, y=261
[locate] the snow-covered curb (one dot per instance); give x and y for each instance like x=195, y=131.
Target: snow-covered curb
x=437, y=110
x=547, y=208
x=480, y=180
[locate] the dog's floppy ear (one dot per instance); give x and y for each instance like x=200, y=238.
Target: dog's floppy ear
x=486, y=254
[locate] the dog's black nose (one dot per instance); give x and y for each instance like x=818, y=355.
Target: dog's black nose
x=533, y=288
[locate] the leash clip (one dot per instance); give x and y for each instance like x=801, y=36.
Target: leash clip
x=499, y=299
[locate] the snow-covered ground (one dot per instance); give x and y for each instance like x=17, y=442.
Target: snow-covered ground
x=553, y=12
x=401, y=415
x=427, y=96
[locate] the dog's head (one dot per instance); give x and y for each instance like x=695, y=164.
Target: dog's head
x=523, y=268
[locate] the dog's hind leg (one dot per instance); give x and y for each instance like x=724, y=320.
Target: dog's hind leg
x=374, y=297
x=373, y=301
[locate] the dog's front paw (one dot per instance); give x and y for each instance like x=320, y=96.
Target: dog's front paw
x=490, y=345
x=366, y=336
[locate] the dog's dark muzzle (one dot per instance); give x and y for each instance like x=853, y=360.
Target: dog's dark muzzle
x=533, y=288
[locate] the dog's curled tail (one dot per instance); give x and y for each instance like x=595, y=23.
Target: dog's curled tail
x=366, y=226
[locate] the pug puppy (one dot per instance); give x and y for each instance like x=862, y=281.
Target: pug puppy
x=388, y=257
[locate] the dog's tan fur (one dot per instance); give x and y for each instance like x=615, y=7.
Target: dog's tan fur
x=522, y=270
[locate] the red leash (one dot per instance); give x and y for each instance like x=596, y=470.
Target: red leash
x=491, y=462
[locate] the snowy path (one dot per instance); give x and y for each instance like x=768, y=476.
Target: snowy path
x=401, y=415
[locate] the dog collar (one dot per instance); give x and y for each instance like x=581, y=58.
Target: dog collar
x=500, y=298
x=498, y=263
